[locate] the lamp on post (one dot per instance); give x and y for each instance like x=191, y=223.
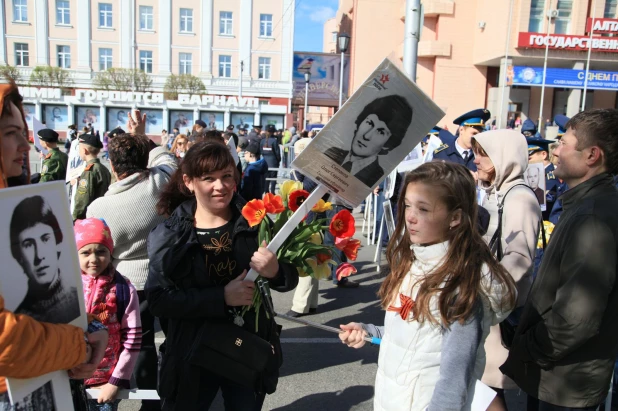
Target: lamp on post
x=307, y=79
x=343, y=41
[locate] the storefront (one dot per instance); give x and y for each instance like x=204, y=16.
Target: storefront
x=106, y=110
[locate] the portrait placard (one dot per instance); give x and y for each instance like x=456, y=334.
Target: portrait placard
x=370, y=135
x=535, y=178
x=41, y=278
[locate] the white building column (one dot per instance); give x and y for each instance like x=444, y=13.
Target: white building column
x=575, y=95
x=102, y=119
x=257, y=116
x=207, y=23
x=38, y=111
x=246, y=25
x=3, y=57
x=287, y=41
x=196, y=116
x=126, y=26
x=227, y=118
x=166, y=119
x=165, y=37
x=41, y=32
x=84, y=19
x=70, y=113
x=502, y=117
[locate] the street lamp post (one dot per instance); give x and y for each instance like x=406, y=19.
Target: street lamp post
x=307, y=79
x=343, y=41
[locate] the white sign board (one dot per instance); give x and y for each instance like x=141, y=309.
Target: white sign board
x=36, y=127
x=535, y=178
x=371, y=134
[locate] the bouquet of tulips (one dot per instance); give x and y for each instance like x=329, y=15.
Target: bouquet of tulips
x=304, y=247
x=549, y=229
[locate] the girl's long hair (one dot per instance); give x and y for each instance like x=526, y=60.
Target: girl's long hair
x=457, y=282
x=175, y=143
x=202, y=158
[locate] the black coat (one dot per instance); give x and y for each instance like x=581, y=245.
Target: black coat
x=178, y=290
x=368, y=175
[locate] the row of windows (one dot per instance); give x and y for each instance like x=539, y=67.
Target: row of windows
x=22, y=58
x=146, y=17
x=562, y=22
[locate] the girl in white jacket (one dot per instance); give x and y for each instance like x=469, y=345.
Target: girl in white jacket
x=444, y=291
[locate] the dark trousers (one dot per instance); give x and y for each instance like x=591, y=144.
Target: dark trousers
x=538, y=405
x=270, y=185
x=235, y=397
x=146, y=366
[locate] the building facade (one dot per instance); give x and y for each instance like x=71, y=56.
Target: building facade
x=468, y=58
x=238, y=48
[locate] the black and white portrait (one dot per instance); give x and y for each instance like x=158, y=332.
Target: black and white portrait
x=370, y=135
x=535, y=177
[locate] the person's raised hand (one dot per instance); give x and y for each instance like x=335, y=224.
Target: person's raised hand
x=136, y=123
x=239, y=292
x=353, y=335
x=265, y=262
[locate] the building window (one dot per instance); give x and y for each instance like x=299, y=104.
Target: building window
x=610, y=9
x=225, y=66
x=105, y=59
x=146, y=18
x=105, y=15
x=64, y=56
x=334, y=37
x=63, y=12
x=537, y=15
x=20, y=10
x=264, y=68
x=22, y=57
x=225, y=23
x=266, y=25
x=563, y=21
x=145, y=61
x=186, y=62
x=186, y=20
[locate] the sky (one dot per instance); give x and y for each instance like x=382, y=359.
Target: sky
x=309, y=23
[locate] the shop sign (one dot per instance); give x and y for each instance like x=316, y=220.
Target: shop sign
x=558, y=77
x=605, y=26
x=567, y=42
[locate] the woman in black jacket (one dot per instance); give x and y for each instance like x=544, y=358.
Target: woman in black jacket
x=198, y=261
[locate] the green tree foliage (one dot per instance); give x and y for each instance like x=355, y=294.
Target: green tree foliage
x=122, y=79
x=182, y=83
x=47, y=76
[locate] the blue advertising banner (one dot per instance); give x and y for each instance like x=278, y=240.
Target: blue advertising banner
x=564, y=78
x=325, y=69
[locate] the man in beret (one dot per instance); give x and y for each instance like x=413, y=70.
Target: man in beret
x=95, y=179
x=115, y=132
x=269, y=149
x=199, y=126
x=55, y=162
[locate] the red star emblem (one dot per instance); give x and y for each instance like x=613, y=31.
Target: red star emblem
x=384, y=78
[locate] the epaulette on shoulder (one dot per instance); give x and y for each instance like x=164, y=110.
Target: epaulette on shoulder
x=89, y=166
x=441, y=148
x=47, y=157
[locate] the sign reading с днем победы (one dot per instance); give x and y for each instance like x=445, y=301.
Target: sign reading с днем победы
x=567, y=78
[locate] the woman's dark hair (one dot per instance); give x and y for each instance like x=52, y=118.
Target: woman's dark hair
x=128, y=154
x=395, y=111
x=202, y=158
x=28, y=213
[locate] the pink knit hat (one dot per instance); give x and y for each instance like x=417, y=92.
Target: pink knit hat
x=93, y=231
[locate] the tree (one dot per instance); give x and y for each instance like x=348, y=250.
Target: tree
x=10, y=73
x=122, y=79
x=182, y=83
x=47, y=76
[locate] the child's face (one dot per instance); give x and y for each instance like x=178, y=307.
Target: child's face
x=94, y=259
x=427, y=218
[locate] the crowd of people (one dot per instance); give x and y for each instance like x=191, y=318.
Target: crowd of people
x=472, y=294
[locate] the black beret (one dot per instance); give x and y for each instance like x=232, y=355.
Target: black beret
x=230, y=127
x=271, y=128
x=91, y=140
x=48, y=135
x=257, y=126
x=115, y=132
x=200, y=123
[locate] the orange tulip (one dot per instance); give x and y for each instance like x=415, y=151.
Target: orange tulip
x=323, y=257
x=345, y=270
x=273, y=204
x=349, y=246
x=254, y=212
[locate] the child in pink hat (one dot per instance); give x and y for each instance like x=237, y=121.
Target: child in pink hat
x=113, y=299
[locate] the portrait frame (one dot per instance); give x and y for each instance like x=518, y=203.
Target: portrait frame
x=14, y=283
x=405, y=109
x=537, y=169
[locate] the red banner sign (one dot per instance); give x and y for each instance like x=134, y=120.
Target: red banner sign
x=602, y=26
x=567, y=42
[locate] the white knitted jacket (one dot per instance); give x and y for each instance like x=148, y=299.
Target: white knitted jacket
x=129, y=209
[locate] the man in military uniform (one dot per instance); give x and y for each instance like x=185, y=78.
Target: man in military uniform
x=254, y=135
x=242, y=132
x=538, y=152
x=460, y=149
x=529, y=129
x=95, y=179
x=55, y=162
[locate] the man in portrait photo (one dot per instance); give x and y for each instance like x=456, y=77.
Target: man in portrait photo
x=378, y=129
x=36, y=244
x=533, y=177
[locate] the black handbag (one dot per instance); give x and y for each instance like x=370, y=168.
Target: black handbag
x=509, y=325
x=234, y=353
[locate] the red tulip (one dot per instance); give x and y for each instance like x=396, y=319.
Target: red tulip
x=297, y=198
x=345, y=270
x=349, y=246
x=342, y=224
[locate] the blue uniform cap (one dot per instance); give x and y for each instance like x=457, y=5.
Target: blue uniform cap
x=538, y=144
x=561, y=121
x=474, y=118
x=528, y=127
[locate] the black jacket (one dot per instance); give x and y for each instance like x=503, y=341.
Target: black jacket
x=269, y=148
x=566, y=343
x=368, y=175
x=178, y=289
